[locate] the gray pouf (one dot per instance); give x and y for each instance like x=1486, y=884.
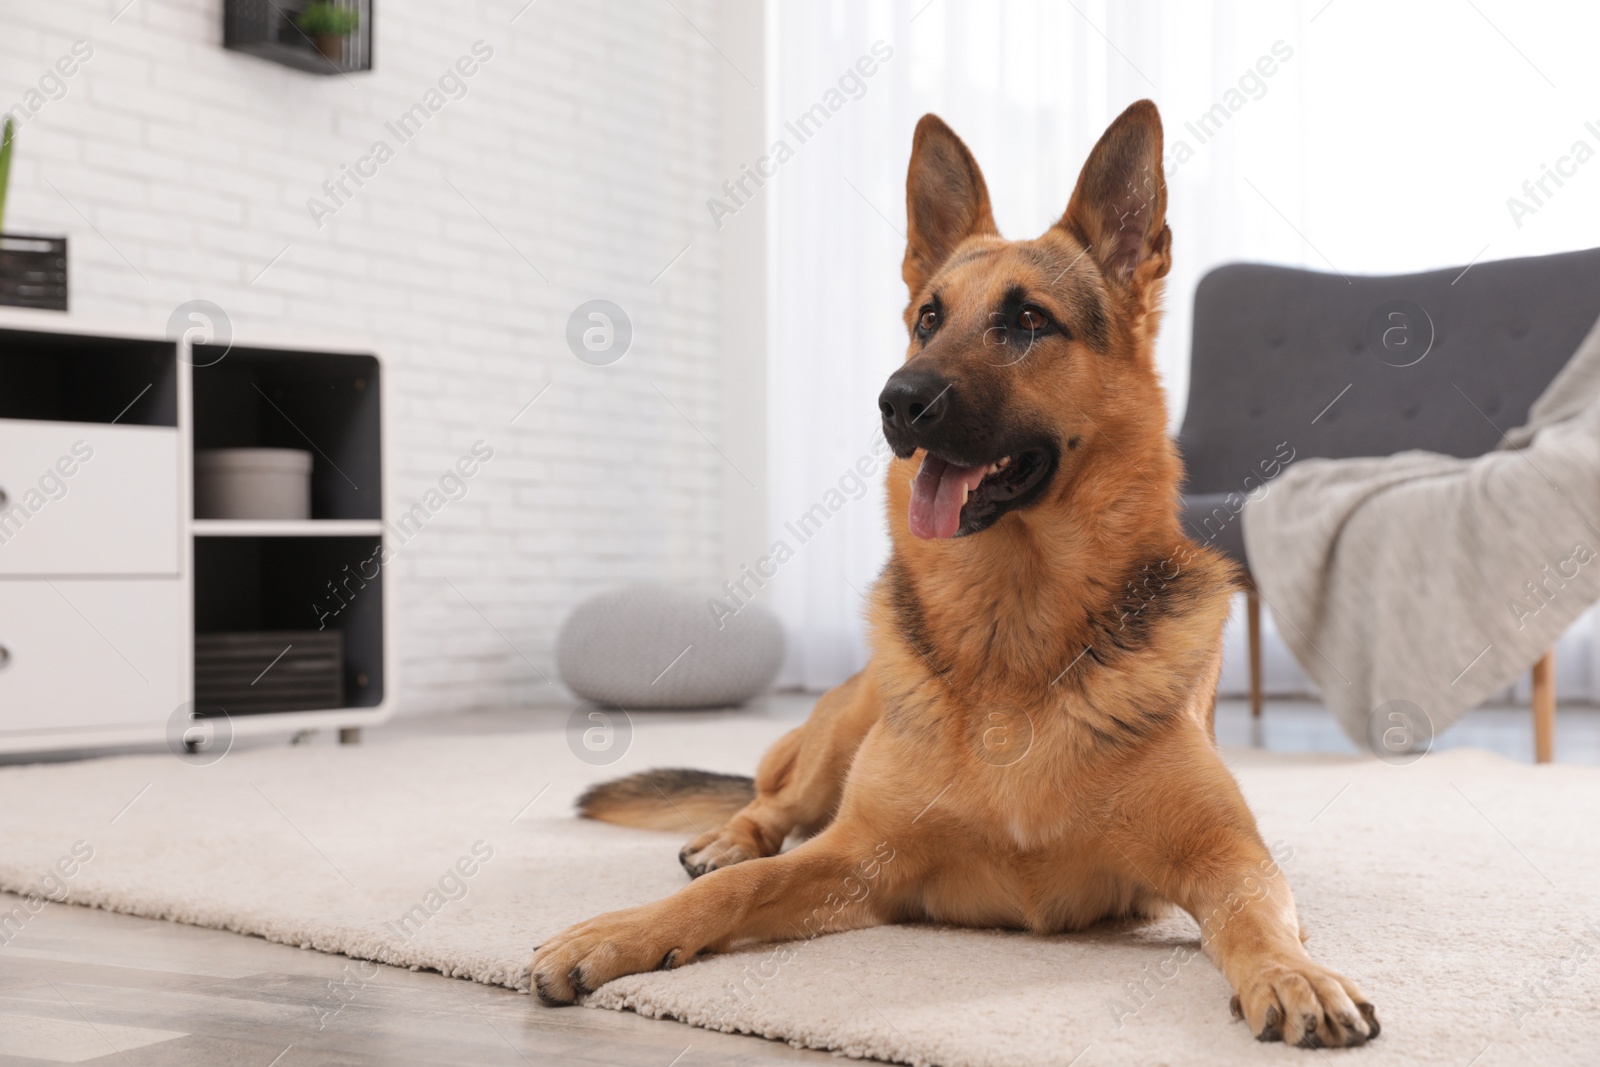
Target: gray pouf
x=650, y=646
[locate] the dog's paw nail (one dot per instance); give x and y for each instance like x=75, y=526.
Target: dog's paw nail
x=1369, y=1013
x=1272, y=1030
x=1308, y=1032
x=575, y=976
x=546, y=997
x=669, y=961
x=1233, y=1006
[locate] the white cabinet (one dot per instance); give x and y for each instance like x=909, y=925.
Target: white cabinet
x=88, y=498
x=106, y=577
x=90, y=654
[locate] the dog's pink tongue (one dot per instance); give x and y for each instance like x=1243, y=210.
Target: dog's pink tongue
x=937, y=493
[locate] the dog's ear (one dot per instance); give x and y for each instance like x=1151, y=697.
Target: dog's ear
x=1119, y=207
x=946, y=200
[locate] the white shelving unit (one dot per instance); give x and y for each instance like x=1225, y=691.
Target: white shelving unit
x=105, y=575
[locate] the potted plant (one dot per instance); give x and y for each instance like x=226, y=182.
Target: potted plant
x=328, y=24
x=33, y=270
x=281, y=32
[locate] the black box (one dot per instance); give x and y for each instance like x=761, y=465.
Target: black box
x=33, y=271
x=268, y=671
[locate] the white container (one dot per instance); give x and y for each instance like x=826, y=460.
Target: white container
x=252, y=483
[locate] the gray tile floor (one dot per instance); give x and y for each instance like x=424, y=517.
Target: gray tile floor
x=83, y=986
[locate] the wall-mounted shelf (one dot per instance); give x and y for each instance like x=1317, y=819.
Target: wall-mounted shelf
x=268, y=29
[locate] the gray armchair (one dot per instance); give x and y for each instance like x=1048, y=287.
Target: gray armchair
x=1289, y=362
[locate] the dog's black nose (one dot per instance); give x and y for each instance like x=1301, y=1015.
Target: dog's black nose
x=913, y=401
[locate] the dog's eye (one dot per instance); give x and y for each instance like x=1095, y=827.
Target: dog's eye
x=928, y=319
x=1032, y=319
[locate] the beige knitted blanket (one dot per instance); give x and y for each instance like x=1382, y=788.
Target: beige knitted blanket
x=1417, y=585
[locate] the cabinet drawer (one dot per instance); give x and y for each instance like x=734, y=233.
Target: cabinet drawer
x=88, y=498
x=83, y=654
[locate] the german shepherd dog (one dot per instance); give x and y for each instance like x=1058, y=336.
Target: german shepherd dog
x=1030, y=743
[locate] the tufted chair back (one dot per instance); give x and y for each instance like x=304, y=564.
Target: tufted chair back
x=1289, y=364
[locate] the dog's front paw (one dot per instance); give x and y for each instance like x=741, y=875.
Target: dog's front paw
x=585, y=957
x=1299, y=1003
x=719, y=848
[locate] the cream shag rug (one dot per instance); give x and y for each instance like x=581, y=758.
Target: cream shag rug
x=1462, y=892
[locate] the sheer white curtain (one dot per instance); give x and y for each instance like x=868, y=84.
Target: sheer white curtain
x=1364, y=137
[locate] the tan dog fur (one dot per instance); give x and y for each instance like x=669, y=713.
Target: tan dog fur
x=1029, y=745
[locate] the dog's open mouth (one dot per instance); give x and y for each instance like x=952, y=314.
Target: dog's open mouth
x=952, y=500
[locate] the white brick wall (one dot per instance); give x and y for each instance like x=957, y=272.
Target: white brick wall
x=589, y=138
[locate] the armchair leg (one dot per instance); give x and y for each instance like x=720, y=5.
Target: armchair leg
x=1252, y=604
x=1544, y=708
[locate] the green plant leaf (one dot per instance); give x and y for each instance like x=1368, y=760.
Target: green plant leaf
x=6, y=140
x=324, y=18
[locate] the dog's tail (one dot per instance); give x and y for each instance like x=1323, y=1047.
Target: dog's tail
x=668, y=799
